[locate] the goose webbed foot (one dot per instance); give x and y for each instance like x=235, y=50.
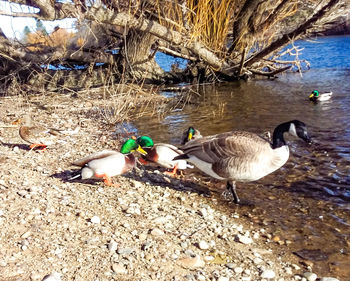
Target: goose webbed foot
x=231, y=187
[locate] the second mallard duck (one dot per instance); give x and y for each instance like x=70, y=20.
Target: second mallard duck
x=242, y=156
x=162, y=154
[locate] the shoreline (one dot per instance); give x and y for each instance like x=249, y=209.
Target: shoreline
x=151, y=228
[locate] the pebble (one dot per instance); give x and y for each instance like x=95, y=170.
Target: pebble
x=112, y=246
x=223, y=278
x=118, y=268
x=95, y=219
x=52, y=277
x=125, y=251
x=310, y=276
x=203, y=245
x=268, y=274
x=25, y=235
x=257, y=260
x=191, y=262
x=157, y=232
x=328, y=279
x=244, y=239
x=238, y=269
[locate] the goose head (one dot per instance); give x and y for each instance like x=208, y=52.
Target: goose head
x=295, y=128
x=131, y=145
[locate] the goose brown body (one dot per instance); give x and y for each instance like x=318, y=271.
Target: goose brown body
x=242, y=156
x=238, y=155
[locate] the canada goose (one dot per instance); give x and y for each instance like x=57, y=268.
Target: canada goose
x=162, y=154
x=242, y=156
x=108, y=163
x=316, y=96
x=190, y=134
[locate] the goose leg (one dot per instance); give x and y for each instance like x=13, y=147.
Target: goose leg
x=231, y=186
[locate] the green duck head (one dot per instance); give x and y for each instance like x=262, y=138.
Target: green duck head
x=131, y=145
x=145, y=141
x=314, y=94
x=191, y=131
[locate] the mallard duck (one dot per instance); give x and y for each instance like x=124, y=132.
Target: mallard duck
x=36, y=135
x=316, y=96
x=108, y=163
x=162, y=154
x=242, y=156
x=190, y=134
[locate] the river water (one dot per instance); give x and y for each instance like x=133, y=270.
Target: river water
x=306, y=202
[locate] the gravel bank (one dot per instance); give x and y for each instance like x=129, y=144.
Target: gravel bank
x=151, y=228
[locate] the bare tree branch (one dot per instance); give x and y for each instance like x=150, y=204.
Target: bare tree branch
x=285, y=39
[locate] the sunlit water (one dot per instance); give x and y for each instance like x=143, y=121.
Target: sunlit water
x=308, y=200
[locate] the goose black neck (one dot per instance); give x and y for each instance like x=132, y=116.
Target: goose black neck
x=277, y=137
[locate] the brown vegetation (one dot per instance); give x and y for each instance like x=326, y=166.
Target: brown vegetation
x=117, y=40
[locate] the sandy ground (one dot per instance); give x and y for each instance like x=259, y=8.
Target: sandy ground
x=150, y=228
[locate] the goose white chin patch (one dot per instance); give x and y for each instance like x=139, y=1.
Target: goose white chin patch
x=292, y=130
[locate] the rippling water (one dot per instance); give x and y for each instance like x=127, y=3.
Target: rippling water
x=311, y=193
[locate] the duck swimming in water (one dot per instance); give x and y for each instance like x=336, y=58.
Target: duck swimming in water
x=316, y=96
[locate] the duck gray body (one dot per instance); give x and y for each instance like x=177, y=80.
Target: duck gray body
x=241, y=156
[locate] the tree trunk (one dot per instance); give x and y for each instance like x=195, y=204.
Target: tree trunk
x=137, y=57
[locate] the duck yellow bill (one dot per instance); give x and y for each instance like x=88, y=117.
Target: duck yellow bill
x=190, y=136
x=311, y=96
x=141, y=150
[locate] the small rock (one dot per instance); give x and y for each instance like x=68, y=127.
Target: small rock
x=118, y=268
x=257, y=260
x=223, y=278
x=35, y=276
x=52, y=277
x=191, y=262
x=125, y=251
x=238, y=270
x=112, y=246
x=209, y=258
x=157, y=232
x=142, y=236
x=25, y=235
x=230, y=265
x=268, y=274
x=203, y=245
x=328, y=279
x=310, y=276
x=200, y=277
x=95, y=219
x=244, y=239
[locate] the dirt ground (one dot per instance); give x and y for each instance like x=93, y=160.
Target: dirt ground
x=150, y=228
